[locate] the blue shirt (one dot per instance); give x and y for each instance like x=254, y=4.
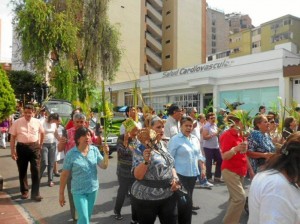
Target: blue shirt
x=185, y=152
x=259, y=142
x=83, y=169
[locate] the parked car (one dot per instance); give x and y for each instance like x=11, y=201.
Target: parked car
x=62, y=107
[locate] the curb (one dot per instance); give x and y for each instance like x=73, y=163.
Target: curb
x=12, y=212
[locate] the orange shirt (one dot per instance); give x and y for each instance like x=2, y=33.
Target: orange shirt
x=26, y=131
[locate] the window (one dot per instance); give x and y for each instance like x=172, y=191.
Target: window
x=213, y=23
x=213, y=36
x=168, y=27
x=256, y=44
x=213, y=43
x=168, y=12
x=168, y=56
x=168, y=41
x=213, y=29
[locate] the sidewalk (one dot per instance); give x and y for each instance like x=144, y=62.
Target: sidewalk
x=11, y=212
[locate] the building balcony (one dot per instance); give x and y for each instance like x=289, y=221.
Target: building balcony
x=154, y=14
x=153, y=43
x=153, y=28
x=158, y=4
x=153, y=58
x=151, y=69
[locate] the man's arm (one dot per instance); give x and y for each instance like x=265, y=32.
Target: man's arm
x=13, y=151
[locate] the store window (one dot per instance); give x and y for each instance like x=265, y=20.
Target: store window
x=252, y=98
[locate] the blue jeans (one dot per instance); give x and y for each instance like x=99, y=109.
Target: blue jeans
x=213, y=155
x=48, y=159
x=84, y=204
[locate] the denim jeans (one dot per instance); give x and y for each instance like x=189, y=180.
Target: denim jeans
x=48, y=159
x=213, y=155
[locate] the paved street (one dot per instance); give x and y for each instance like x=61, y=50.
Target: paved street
x=212, y=202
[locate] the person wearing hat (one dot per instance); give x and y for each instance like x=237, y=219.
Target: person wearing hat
x=172, y=126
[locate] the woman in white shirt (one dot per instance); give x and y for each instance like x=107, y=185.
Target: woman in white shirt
x=274, y=193
x=49, y=146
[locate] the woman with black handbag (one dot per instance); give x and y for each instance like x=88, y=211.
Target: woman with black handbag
x=184, y=148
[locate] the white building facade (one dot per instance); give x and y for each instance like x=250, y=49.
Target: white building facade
x=253, y=79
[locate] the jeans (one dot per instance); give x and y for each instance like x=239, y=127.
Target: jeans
x=210, y=155
x=3, y=139
x=48, y=159
x=124, y=186
x=29, y=154
x=148, y=210
x=84, y=204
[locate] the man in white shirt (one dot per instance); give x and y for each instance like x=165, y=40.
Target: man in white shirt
x=172, y=126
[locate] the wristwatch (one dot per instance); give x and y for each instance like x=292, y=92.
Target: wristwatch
x=146, y=163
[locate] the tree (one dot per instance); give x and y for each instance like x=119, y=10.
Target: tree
x=76, y=36
x=25, y=85
x=7, y=97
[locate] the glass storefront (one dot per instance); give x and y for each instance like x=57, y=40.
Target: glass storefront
x=252, y=98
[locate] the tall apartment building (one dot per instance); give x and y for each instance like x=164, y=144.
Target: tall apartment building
x=156, y=35
x=281, y=32
x=217, y=32
x=238, y=22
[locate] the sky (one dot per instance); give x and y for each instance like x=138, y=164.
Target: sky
x=6, y=31
x=260, y=11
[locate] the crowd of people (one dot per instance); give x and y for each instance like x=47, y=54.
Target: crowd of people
x=159, y=162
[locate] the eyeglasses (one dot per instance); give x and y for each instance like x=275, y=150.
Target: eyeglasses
x=272, y=122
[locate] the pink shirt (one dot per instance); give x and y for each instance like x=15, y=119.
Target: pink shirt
x=71, y=139
x=26, y=131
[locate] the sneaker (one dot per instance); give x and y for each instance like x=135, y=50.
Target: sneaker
x=218, y=180
x=133, y=222
x=206, y=185
x=194, y=212
x=210, y=180
x=118, y=217
x=51, y=184
x=56, y=174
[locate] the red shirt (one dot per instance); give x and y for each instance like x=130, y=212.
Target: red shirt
x=238, y=162
x=69, y=125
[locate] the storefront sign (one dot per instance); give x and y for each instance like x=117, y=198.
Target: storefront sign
x=197, y=68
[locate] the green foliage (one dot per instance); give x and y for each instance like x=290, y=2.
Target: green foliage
x=7, y=97
x=76, y=36
x=24, y=82
x=208, y=108
x=246, y=119
x=41, y=30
